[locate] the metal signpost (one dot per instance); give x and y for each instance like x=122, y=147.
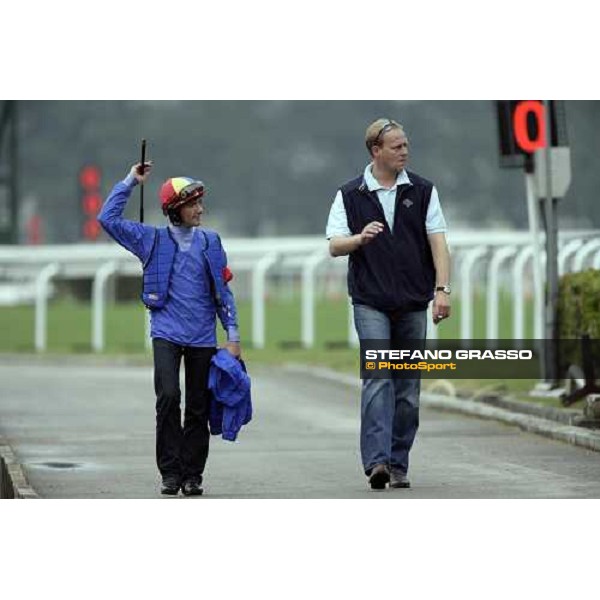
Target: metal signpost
x=533, y=136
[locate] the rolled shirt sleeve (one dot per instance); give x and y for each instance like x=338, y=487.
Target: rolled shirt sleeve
x=337, y=223
x=435, y=221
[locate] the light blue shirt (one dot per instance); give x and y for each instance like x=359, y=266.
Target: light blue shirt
x=337, y=224
x=183, y=236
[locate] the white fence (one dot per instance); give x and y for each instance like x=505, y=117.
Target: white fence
x=498, y=259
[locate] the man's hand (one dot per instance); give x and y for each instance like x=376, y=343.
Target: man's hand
x=441, y=307
x=370, y=232
x=234, y=348
x=343, y=245
x=136, y=171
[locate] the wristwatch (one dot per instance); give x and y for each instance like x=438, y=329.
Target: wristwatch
x=443, y=288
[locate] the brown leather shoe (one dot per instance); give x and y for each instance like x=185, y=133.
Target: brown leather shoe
x=380, y=475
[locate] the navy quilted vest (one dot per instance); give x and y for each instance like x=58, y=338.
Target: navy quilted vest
x=396, y=270
x=158, y=267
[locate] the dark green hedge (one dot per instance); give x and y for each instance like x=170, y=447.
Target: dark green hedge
x=579, y=304
x=578, y=314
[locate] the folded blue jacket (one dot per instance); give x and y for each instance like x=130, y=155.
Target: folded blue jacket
x=230, y=404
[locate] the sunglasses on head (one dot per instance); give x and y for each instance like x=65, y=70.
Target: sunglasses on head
x=386, y=127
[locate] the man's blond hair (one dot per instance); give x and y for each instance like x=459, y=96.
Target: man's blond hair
x=377, y=129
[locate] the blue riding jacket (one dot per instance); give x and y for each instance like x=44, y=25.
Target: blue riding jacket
x=231, y=404
x=184, y=289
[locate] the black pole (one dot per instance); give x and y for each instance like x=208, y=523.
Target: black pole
x=544, y=344
x=14, y=173
x=551, y=220
x=142, y=184
x=9, y=139
x=551, y=210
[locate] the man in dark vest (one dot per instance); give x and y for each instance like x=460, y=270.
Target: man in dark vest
x=185, y=287
x=390, y=224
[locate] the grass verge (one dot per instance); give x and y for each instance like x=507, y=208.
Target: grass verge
x=69, y=332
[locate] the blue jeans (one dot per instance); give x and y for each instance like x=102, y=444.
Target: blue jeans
x=389, y=407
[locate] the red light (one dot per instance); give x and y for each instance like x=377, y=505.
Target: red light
x=520, y=125
x=91, y=229
x=34, y=229
x=92, y=204
x=89, y=177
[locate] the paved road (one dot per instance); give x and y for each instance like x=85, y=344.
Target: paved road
x=302, y=443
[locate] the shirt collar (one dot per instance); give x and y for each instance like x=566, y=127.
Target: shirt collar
x=180, y=230
x=373, y=185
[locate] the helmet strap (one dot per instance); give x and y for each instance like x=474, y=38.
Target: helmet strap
x=174, y=215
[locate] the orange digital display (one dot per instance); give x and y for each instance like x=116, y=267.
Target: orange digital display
x=523, y=135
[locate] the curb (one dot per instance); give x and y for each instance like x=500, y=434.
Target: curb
x=566, y=416
x=13, y=483
x=529, y=418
